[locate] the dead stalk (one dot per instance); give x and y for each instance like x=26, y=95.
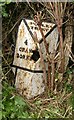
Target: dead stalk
x=38, y=21
x=57, y=10
x=59, y=20
x=52, y=73
x=67, y=111
x=47, y=52
x=49, y=77
x=46, y=46
x=42, y=59
x=49, y=67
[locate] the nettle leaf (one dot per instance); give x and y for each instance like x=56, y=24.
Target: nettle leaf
x=72, y=100
x=0, y=115
x=19, y=101
x=69, y=87
x=38, y=102
x=4, y=13
x=23, y=115
x=12, y=115
x=4, y=114
x=1, y=105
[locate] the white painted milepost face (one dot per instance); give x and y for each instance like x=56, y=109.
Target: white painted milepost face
x=27, y=56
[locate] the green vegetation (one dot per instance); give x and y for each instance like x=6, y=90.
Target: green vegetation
x=57, y=104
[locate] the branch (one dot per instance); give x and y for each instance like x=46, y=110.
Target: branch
x=42, y=59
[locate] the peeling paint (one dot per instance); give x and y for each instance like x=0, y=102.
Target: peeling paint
x=31, y=84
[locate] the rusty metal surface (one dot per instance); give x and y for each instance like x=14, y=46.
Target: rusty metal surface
x=31, y=84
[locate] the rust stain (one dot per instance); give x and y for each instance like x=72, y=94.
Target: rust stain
x=22, y=32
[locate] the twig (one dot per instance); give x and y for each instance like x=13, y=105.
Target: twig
x=67, y=110
x=55, y=113
x=6, y=61
x=47, y=99
x=66, y=97
x=14, y=25
x=41, y=56
x=12, y=13
x=8, y=72
x=53, y=72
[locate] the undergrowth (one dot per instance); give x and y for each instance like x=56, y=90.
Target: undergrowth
x=56, y=105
